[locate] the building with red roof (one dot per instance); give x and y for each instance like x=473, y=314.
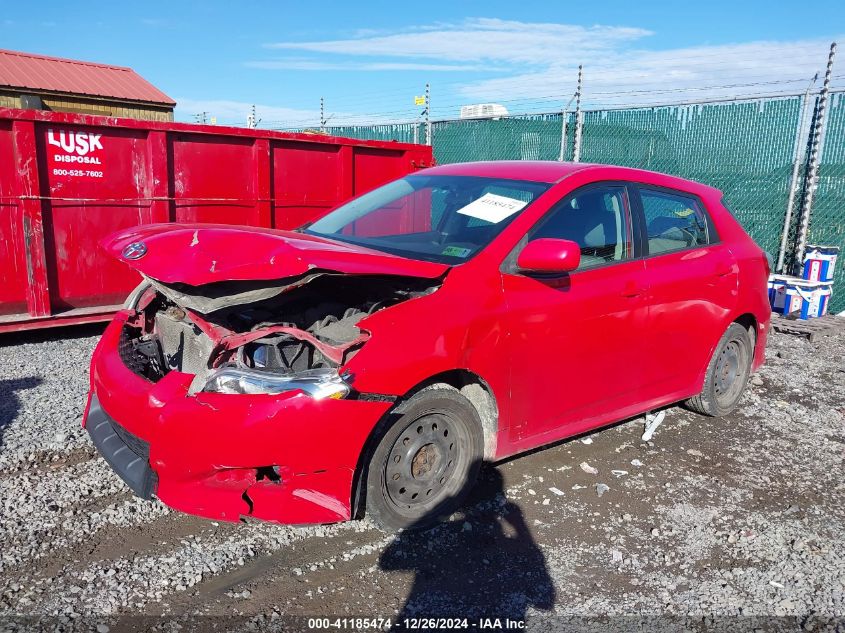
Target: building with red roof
x=38, y=82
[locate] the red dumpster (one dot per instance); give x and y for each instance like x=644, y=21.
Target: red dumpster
x=68, y=180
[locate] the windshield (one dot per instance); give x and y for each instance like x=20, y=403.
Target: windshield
x=445, y=219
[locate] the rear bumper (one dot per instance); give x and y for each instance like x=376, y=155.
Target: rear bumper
x=208, y=453
x=763, y=327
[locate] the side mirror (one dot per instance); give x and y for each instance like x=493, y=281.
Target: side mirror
x=548, y=255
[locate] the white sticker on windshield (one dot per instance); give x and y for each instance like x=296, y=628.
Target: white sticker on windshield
x=492, y=208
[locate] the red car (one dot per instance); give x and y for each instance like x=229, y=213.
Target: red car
x=368, y=362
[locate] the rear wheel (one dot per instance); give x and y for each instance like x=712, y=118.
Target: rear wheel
x=727, y=373
x=426, y=462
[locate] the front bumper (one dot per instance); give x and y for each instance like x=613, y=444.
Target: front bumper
x=127, y=454
x=208, y=452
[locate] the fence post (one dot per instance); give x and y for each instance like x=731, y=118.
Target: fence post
x=793, y=183
x=815, y=158
x=564, y=115
x=579, y=121
x=427, y=114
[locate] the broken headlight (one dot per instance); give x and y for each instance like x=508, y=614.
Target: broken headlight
x=317, y=383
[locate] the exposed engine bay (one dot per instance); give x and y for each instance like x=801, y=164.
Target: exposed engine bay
x=285, y=327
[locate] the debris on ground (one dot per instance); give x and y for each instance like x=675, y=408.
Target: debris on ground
x=590, y=470
x=652, y=421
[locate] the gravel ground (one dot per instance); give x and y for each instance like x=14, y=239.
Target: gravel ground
x=717, y=520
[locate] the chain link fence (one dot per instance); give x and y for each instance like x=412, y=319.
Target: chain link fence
x=402, y=132
x=536, y=137
x=747, y=148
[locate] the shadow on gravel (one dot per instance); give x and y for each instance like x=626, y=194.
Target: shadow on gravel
x=485, y=566
x=10, y=402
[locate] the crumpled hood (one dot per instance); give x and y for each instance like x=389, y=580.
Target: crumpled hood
x=197, y=254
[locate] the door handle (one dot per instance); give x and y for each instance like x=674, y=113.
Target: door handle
x=632, y=289
x=723, y=270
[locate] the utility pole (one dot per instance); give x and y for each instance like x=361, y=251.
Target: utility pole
x=322, y=114
x=251, y=119
x=576, y=149
x=427, y=114
x=815, y=157
x=201, y=117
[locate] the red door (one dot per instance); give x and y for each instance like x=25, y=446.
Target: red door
x=577, y=340
x=692, y=279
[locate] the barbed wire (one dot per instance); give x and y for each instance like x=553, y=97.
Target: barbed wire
x=409, y=116
x=758, y=96
x=521, y=96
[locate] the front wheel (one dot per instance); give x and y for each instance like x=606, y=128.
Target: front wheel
x=727, y=373
x=426, y=462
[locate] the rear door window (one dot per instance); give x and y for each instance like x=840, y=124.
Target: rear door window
x=673, y=221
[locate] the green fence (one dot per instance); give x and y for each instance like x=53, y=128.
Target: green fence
x=745, y=148
x=402, y=132
x=535, y=137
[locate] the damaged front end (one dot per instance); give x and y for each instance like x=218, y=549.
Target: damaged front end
x=260, y=337
x=224, y=381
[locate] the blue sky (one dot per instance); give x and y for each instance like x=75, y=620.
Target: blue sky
x=369, y=59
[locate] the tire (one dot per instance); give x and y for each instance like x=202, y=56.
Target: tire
x=426, y=462
x=727, y=373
